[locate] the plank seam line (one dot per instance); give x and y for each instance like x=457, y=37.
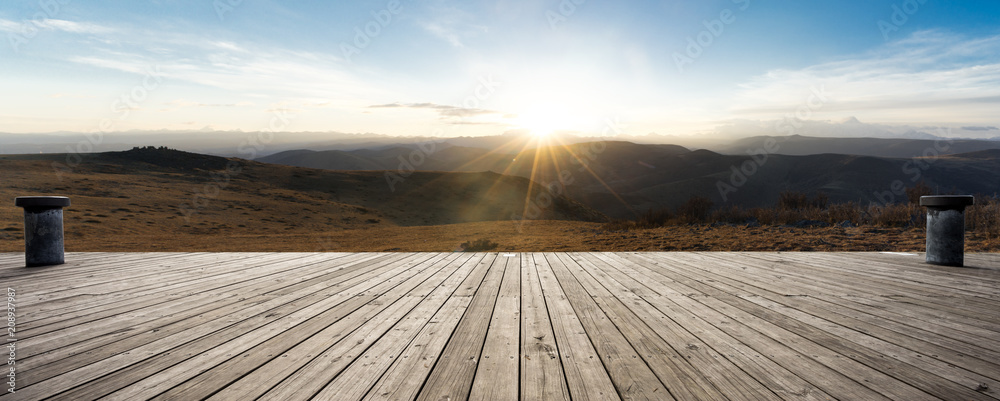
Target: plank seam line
x=594, y=346
x=452, y=334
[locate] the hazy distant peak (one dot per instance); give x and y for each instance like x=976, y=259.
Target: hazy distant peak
x=850, y=120
x=978, y=128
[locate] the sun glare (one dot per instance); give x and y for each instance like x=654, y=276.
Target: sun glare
x=543, y=121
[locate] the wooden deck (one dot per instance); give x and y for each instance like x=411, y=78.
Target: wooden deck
x=528, y=326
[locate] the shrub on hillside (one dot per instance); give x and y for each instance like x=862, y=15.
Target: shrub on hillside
x=695, y=210
x=897, y=215
x=841, y=212
x=478, y=245
x=733, y=215
x=654, y=218
x=984, y=216
x=920, y=189
x=789, y=200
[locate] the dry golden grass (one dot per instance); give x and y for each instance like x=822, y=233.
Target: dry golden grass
x=275, y=208
x=514, y=236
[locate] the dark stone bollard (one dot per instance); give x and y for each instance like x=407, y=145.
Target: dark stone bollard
x=43, y=229
x=946, y=228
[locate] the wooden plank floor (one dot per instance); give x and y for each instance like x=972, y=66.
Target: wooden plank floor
x=499, y=326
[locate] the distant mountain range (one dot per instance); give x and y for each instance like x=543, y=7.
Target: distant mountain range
x=727, y=140
x=434, y=182
x=879, y=147
x=621, y=179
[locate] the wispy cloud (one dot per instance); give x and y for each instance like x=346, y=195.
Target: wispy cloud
x=187, y=103
x=71, y=96
x=234, y=67
x=444, y=110
x=928, y=70
x=452, y=24
x=51, y=24
x=444, y=33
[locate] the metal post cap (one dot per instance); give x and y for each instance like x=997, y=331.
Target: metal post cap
x=41, y=201
x=947, y=201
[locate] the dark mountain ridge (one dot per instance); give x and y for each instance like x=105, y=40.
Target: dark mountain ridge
x=621, y=179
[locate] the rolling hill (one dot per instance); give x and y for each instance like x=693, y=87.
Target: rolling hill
x=145, y=191
x=164, y=200
x=621, y=179
x=797, y=145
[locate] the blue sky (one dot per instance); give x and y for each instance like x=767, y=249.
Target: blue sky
x=484, y=67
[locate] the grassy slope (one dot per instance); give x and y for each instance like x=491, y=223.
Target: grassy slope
x=182, y=198
x=130, y=202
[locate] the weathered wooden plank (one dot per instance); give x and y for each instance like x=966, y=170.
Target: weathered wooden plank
x=893, y=278
x=957, y=307
x=681, y=360
x=66, y=302
x=941, y=378
x=110, y=304
x=88, y=264
x=452, y=375
x=204, y=307
x=285, y=314
x=207, y=302
x=404, y=379
x=766, y=325
x=264, y=378
x=875, y=358
x=63, y=279
x=672, y=368
x=260, y=342
x=387, y=309
x=945, y=342
x=886, y=272
x=633, y=379
x=358, y=378
x=542, y=376
x=114, y=302
x=497, y=376
x=779, y=380
x=817, y=373
x=251, y=375
x=916, y=266
x=881, y=350
x=586, y=376
x=54, y=361
x=772, y=325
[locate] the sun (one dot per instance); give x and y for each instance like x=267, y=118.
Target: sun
x=544, y=120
